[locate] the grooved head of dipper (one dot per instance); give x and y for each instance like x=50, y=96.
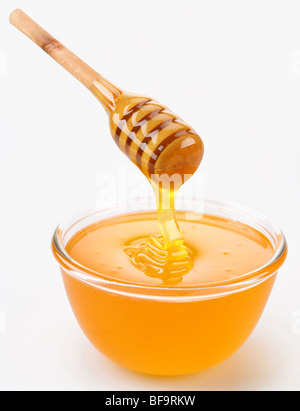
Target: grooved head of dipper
x=181, y=157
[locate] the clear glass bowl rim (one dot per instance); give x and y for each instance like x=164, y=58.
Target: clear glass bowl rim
x=246, y=280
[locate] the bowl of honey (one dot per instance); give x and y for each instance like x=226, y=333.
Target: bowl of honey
x=158, y=314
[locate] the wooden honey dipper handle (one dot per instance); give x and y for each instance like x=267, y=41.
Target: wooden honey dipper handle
x=154, y=138
x=73, y=64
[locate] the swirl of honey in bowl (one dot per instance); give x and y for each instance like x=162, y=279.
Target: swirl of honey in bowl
x=168, y=264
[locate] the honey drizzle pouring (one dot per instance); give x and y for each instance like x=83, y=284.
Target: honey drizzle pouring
x=162, y=145
x=164, y=256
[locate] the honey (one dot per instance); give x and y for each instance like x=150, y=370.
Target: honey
x=219, y=249
x=163, y=292
x=194, y=320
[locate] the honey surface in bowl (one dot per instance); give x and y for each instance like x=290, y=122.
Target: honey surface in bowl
x=217, y=250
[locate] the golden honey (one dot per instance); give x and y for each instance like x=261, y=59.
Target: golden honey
x=220, y=250
x=191, y=325
x=160, y=292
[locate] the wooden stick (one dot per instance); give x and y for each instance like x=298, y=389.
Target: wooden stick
x=73, y=64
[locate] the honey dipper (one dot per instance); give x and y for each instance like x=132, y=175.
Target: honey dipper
x=154, y=138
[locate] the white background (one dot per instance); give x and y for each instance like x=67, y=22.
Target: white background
x=230, y=69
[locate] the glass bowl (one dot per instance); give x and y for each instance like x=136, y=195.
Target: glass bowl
x=161, y=330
